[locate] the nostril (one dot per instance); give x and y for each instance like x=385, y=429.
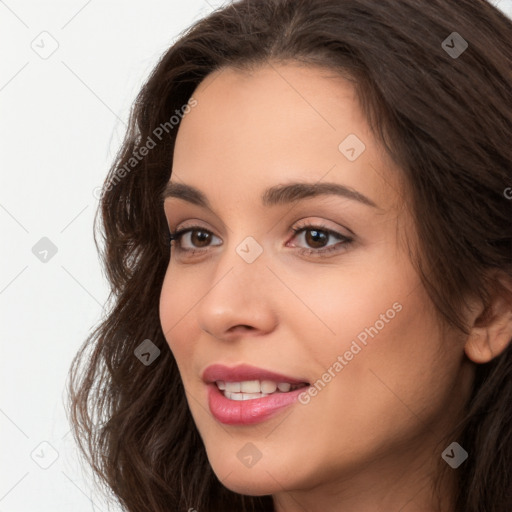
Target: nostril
x=242, y=327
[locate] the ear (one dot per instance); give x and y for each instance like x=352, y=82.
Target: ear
x=492, y=328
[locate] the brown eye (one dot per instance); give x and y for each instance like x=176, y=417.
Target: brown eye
x=316, y=238
x=190, y=239
x=200, y=238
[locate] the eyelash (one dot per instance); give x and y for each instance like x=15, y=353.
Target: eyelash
x=344, y=240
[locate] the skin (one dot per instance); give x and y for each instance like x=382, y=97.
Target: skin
x=372, y=439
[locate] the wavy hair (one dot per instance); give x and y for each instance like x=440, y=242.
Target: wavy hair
x=445, y=120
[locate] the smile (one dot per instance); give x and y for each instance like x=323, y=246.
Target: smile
x=244, y=395
x=252, y=389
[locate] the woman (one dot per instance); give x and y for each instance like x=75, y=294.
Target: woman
x=329, y=327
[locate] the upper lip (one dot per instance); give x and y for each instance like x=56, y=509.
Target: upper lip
x=245, y=372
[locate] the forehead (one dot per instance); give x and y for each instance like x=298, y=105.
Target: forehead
x=289, y=101
x=278, y=123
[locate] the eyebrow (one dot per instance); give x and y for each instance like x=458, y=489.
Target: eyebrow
x=276, y=195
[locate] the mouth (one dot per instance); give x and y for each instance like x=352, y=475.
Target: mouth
x=254, y=389
x=245, y=394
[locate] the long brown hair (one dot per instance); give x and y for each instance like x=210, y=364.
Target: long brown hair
x=445, y=119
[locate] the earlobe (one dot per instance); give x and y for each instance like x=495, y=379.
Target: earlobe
x=478, y=348
x=491, y=333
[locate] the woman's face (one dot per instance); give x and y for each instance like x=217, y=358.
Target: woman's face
x=336, y=305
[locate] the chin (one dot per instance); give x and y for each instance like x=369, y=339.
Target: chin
x=259, y=480
x=250, y=485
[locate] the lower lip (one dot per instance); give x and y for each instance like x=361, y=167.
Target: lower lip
x=247, y=412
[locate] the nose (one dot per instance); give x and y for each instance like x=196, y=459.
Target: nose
x=241, y=300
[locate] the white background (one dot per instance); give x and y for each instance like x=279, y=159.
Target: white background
x=62, y=120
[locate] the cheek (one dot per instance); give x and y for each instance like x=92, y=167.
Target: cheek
x=177, y=300
x=358, y=300
x=395, y=382
x=387, y=395
x=380, y=354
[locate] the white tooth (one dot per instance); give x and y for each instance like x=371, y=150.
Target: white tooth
x=250, y=386
x=233, y=387
x=221, y=385
x=243, y=396
x=251, y=396
x=284, y=387
x=268, y=386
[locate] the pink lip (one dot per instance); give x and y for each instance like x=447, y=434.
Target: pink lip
x=246, y=412
x=244, y=372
